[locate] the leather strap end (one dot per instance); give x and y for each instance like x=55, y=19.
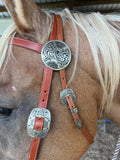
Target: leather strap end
x=87, y=135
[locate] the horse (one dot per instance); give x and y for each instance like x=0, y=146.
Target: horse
x=93, y=74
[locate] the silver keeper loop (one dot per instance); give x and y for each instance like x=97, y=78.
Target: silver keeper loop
x=74, y=111
x=78, y=124
x=65, y=93
x=78, y=121
x=41, y=113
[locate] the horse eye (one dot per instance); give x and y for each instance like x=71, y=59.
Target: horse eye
x=5, y=112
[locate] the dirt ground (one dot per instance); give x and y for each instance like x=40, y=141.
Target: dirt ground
x=104, y=142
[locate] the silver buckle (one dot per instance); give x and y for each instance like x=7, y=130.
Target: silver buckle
x=41, y=113
x=65, y=93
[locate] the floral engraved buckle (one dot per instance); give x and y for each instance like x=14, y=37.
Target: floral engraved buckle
x=41, y=113
x=65, y=93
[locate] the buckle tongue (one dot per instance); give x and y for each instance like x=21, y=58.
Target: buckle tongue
x=41, y=113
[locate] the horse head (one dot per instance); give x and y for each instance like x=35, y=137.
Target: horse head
x=21, y=79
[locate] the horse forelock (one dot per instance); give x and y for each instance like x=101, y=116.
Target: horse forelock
x=9, y=33
x=102, y=36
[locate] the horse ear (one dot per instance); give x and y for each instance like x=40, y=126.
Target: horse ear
x=23, y=12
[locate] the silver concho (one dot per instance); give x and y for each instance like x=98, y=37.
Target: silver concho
x=41, y=113
x=56, y=55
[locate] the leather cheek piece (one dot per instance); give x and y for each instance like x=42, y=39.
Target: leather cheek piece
x=64, y=86
x=46, y=83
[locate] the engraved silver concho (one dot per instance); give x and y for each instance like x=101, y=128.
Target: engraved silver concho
x=56, y=55
x=41, y=113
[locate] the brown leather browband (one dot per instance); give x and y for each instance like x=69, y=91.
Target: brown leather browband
x=56, y=34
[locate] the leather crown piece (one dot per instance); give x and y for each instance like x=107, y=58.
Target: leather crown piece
x=52, y=56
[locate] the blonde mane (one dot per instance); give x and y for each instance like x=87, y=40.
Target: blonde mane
x=102, y=36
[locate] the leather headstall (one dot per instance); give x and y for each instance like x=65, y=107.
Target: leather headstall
x=39, y=119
